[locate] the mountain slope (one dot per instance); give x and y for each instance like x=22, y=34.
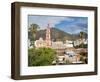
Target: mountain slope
x=57, y=34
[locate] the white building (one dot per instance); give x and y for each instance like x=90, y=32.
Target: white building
x=29, y=44
x=39, y=43
x=79, y=41
x=58, y=45
x=69, y=43
x=86, y=41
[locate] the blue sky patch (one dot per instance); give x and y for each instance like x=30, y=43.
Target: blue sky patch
x=72, y=25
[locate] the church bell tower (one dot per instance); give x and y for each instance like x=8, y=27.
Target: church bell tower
x=48, y=37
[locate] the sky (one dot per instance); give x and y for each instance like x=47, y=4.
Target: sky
x=72, y=25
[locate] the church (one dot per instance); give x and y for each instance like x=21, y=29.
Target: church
x=44, y=43
x=48, y=43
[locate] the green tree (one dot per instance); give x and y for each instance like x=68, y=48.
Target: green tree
x=41, y=56
x=84, y=57
x=32, y=33
x=81, y=37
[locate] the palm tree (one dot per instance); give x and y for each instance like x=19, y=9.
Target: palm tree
x=81, y=37
x=32, y=32
x=34, y=28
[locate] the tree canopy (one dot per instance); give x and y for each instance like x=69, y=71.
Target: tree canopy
x=41, y=56
x=32, y=33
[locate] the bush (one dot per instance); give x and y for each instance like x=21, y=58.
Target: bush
x=84, y=57
x=41, y=56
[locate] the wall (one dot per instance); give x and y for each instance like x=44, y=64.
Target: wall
x=5, y=40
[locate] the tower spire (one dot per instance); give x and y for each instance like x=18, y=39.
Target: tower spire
x=48, y=37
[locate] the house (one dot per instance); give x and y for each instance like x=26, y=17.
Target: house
x=69, y=43
x=79, y=41
x=59, y=47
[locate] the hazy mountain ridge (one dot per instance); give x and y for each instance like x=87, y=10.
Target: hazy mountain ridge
x=57, y=34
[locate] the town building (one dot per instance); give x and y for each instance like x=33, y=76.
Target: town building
x=69, y=43
x=40, y=43
x=79, y=41
x=59, y=47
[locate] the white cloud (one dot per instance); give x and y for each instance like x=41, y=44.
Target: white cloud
x=43, y=21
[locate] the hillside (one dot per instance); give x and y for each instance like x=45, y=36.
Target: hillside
x=57, y=34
